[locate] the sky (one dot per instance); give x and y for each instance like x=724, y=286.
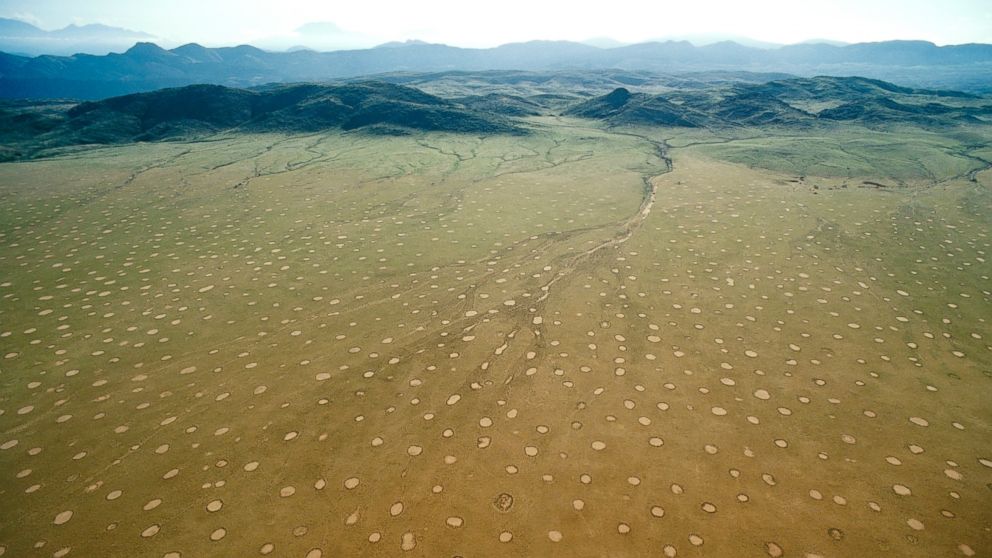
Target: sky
x=486, y=23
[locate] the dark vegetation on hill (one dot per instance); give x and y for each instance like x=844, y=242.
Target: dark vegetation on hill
x=800, y=102
x=509, y=105
x=29, y=129
x=146, y=66
x=197, y=110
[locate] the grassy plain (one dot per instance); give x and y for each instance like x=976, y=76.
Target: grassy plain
x=548, y=345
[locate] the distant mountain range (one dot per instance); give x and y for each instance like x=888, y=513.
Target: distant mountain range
x=23, y=38
x=146, y=67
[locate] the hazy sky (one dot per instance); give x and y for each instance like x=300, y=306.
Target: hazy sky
x=492, y=22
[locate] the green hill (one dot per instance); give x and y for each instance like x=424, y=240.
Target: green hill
x=197, y=110
x=800, y=102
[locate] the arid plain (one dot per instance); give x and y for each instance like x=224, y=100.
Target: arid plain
x=577, y=342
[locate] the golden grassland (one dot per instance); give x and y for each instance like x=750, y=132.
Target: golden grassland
x=580, y=342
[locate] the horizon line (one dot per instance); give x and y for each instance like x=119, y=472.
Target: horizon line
x=406, y=43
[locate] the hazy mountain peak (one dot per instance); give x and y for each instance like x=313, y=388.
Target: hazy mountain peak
x=10, y=26
x=197, y=53
x=823, y=42
x=401, y=44
x=101, y=28
x=317, y=36
x=707, y=39
x=604, y=42
x=146, y=49
x=245, y=50
x=190, y=47
x=725, y=44
x=92, y=38
x=147, y=66
x=547, y=42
